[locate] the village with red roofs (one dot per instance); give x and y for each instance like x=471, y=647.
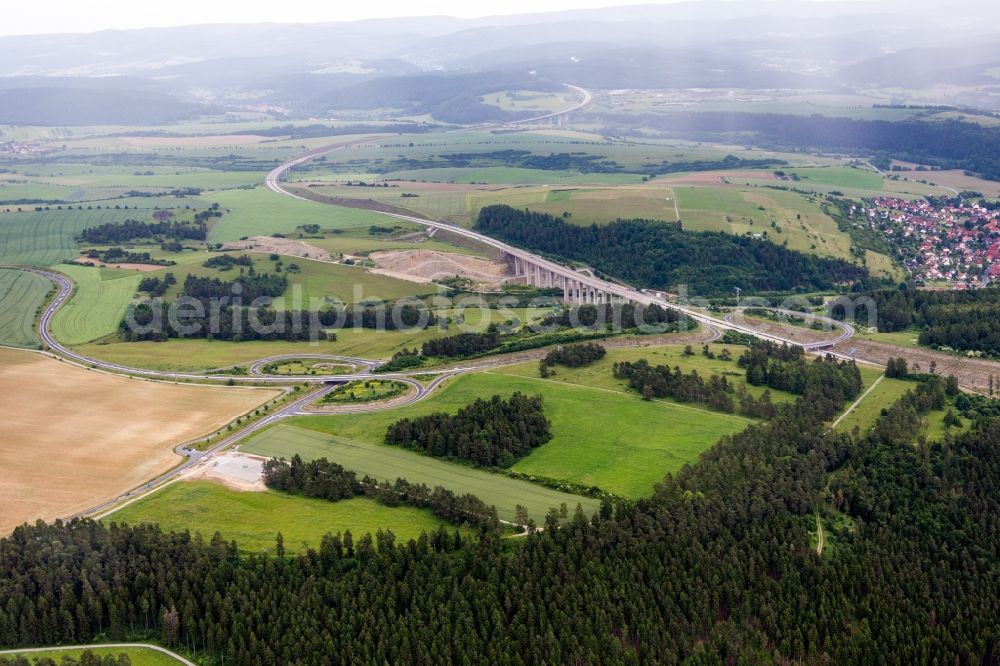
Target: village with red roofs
x=952, y=243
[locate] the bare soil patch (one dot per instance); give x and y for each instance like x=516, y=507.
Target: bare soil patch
x=285, y=246
x=955, y=179
x=427, y=265
x=972, y=373
x=799, y=334
x=74, y=438
x=235, y=470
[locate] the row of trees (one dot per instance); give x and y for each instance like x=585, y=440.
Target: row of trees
x=248, y=287
x=154, y=321
x=119, y=255
x=491, y=433
x=462, y=344
x=719, y=565
x=87, y=658
x=115, y=233
x=327, y=480
x=228, y=261
x=661, y=255
x=160, y=320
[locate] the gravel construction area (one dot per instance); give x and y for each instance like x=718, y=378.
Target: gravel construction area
x=283, y=246
x=426, y=265
x=973, y=373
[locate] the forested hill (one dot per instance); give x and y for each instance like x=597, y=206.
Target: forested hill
x=948, y=144
x=720, y=566
x=660, y=255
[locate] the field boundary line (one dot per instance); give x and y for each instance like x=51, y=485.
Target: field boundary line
x=857, y=402
x=626, y=393
x=820, y=541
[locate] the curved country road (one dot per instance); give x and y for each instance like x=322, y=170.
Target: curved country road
x=59, y=648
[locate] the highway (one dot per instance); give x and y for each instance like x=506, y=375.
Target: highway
x=297, y=407
x=275, y=184
x=587, y=96
x=846, y=330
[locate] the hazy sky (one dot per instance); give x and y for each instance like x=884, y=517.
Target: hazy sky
x=20, y=17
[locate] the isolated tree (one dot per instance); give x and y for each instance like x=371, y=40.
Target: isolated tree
x=521, y=516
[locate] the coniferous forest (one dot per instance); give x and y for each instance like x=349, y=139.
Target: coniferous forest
x=719, y=565
x=963, y=320
x=492, y=433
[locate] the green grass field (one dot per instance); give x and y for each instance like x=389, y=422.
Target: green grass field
x=138, y=656
x=364, y=391
x=599, y=375
x=863, y=416
x=261, y=212
x=438, y=205
x=96, y=307
x=839, y=177
x=48, y=237
x=339, y=439
x=905, y=338
x=205, y=354
x=782, y=217
x=530, y=100
x=310, y=283
x=586, y=205
x=625, y=446
x=512, y=176
x=78, y=183
x=882, y=265
x=253, y=519
x=363, y=243
x=885, y=394
x=349, y=284
x=21, y=294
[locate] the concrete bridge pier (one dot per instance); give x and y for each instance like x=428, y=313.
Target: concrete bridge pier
x=577, y=288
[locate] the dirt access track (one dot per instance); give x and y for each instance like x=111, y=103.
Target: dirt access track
x=73, y=438
x=427, y=265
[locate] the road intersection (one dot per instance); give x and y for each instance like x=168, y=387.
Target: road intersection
x=327, y=382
